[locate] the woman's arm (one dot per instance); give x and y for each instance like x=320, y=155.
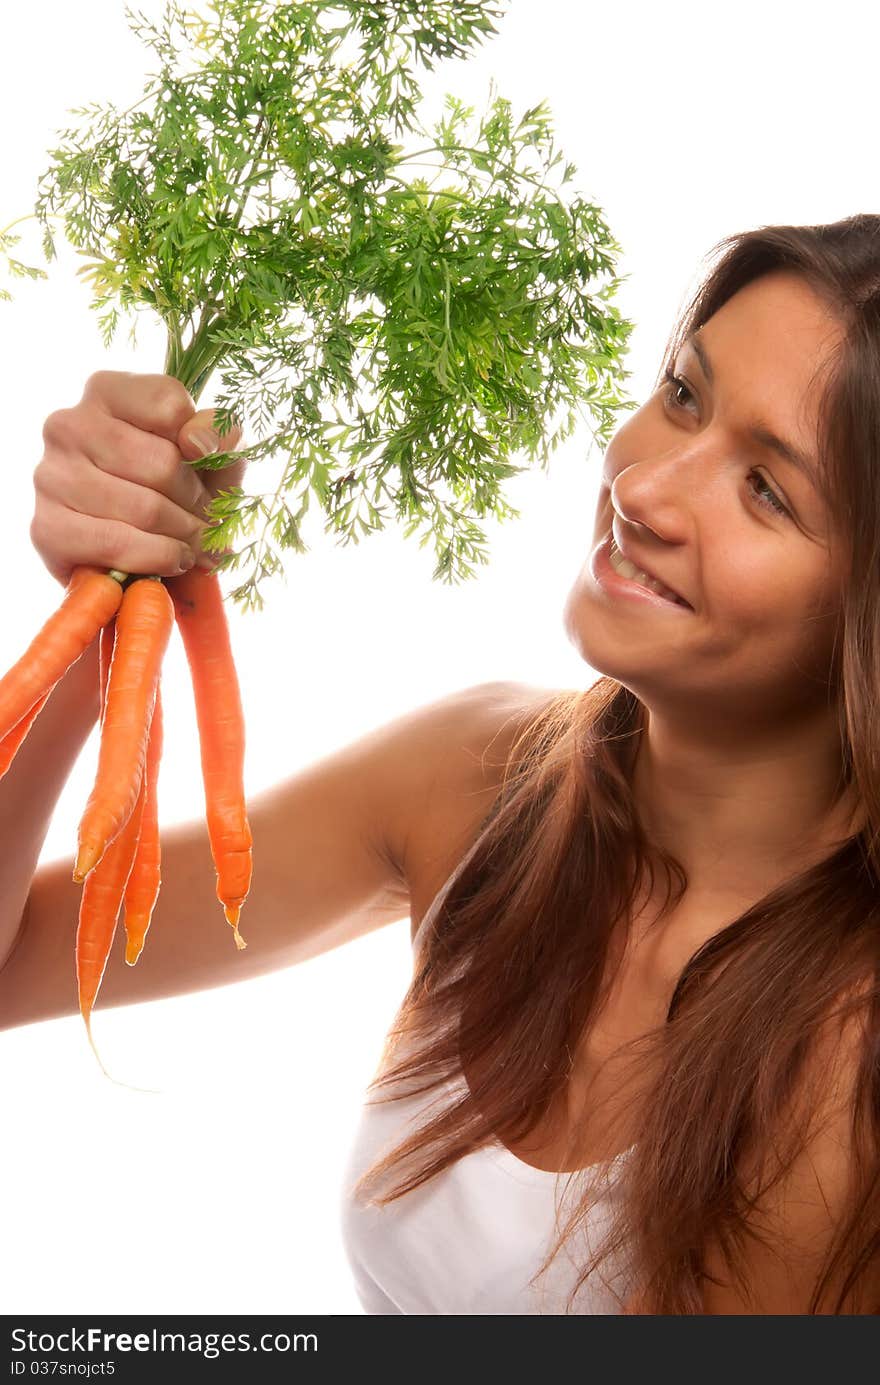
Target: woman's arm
x=332, y=843
x=329, y=845
x=340, y=848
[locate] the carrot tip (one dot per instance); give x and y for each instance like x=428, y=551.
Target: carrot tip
x=151, y=1091
x=87, y=1016
x=87, y=857
x=232, y=912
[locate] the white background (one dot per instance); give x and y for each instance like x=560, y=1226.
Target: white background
x=221, y=1193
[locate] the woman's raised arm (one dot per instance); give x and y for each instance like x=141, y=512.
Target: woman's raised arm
x=329, y=845
x=336, y=845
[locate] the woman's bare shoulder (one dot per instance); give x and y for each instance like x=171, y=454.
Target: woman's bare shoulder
x=466, y=747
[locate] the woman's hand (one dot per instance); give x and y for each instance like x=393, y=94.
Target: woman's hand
x=112, y=487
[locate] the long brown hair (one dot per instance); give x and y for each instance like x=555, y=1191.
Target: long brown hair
x=512, y=965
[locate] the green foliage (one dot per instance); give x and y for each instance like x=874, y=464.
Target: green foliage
x=398, y=311
x=15, y=268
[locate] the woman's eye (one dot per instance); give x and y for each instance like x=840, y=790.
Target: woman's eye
x=674, y=383
x=771, y=501
x=766, y=496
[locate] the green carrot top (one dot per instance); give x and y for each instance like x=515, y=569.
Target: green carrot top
x=396, y=312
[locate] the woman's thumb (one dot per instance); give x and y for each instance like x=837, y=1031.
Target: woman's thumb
x=199, y=436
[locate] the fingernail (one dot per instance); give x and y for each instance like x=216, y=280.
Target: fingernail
x=207, y=560
x=186, y=561
x=203, y=441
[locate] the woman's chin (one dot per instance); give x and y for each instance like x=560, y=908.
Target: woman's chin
x=596, y=638
x=583, y=622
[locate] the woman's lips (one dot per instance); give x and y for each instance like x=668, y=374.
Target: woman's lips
x=617, y=585
x=619, y=552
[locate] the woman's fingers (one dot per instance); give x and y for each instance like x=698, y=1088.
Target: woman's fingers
x=115, y=448
x=65, y=539
x=87, y=489
x=116, y=485
x=153, y=403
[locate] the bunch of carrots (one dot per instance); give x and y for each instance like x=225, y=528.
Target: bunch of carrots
x=118, y=854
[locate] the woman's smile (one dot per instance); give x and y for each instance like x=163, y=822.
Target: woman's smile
x=615, y=575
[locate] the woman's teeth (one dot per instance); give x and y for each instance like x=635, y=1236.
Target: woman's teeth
x=628, y=569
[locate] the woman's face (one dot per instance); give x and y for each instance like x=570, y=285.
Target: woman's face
x=739, y=531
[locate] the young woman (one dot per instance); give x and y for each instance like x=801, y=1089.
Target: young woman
x=602, y=1092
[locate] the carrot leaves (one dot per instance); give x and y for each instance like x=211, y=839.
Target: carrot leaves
x=400, y=311
x=15, y=268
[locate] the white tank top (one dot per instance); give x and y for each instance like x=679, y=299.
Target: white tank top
x=470, y=1239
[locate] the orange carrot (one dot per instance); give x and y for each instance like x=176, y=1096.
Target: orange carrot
x=142, y=889
x=143, y=628
x=99, y=911
x=108, y=641
x=91, y=598
x=201, y=619
x=105, y=659
x=104, y=886
x=11, y=742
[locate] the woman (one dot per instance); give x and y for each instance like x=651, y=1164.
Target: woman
x=701, y=1063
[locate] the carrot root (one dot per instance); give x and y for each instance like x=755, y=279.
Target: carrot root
x=232, y=912
x=88, y=1019
x=129, y=1086
x=104, y=886
x=14, y=739
x=144, y=882
x=87, y=857
x=201, y=620
x=137, y=931
x=143, y=628
x=92, y=597
x=99, y=912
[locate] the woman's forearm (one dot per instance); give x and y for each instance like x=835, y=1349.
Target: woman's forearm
x=32, y=785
